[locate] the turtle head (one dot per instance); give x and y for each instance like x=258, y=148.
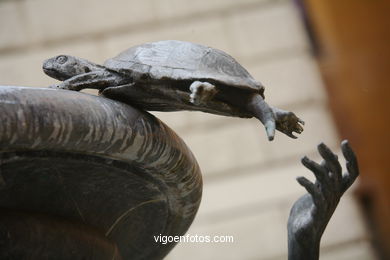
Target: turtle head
x=63, y=67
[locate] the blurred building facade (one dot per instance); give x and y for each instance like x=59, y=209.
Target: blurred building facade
x=249, y=183
x=352, y=40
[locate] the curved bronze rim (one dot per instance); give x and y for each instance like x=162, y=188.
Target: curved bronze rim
x=64, y=122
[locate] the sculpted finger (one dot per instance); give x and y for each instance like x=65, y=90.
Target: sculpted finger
x=312, y=189
x=319, y=171
x=331, y=162
x=352, y=165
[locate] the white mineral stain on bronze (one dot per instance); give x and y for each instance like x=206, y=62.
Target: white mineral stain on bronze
x=69, y=129
x=56, y=129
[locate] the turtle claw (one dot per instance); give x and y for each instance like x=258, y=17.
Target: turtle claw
x=298, y=128
x=292, y=135
x=66, y=86
x=55, y=86
x=59, y=86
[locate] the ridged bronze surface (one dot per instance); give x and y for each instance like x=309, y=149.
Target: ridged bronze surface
x=90, y=163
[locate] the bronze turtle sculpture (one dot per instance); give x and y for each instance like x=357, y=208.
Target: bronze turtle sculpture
x=175, y=75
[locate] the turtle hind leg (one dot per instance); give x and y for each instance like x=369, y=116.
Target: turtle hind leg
x=201, y=92
x=287, y=122
x=261, y=110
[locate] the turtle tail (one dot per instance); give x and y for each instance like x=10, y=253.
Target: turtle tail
x=263, y=112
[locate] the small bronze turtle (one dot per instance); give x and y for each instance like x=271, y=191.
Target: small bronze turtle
x=175, y=75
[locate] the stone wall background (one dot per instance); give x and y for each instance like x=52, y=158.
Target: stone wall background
x=249, y=183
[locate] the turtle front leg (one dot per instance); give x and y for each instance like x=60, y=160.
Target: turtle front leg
x=201, y=92
x=287, y=122
x=96, y=80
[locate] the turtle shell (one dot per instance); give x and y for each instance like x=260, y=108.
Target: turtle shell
x=178, y=60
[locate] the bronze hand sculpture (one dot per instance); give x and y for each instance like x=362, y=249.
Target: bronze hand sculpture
x=311, y=213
